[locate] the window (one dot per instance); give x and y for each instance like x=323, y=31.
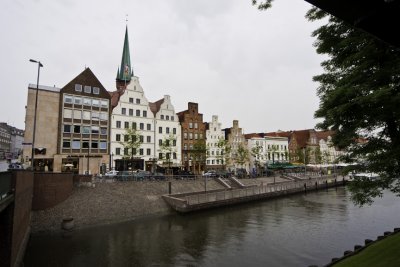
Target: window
x=95, y=116
x=77, y=114
x=95, y=103
x=66, y=143
x=126, y=151
x=77, y=129
x=141, y=151
x=148, y=152
x=196, y=136
x=190, y=136
x=201, y=136
x=167, y=117
x=190, y=125
x=159, y=129
x=68, y=113
x=67, y=128
x=95, y=144
x=137, y=100
x=96, y=90
x=86, y=115
x=126, y=124
x=68, y=99
x=86, y=129
x=141, y=138
x=117, y=151
x=185, y=135
x=103, y=145
x=160, y=155
x=144, y=113
x=77, y=100
x=130, y=112
x=76, y=144
x=95, y=129
x=103, y=130
x=167, y=130
x=160, y=142
x=174, y=155
x=78, y=87
x=138, y=113
x=174, y=130
x=88, y=89
x=190, y=146
x=174, y=142
x=126, y=138
x=104, y=103
x=134, y=125
x=162, y=117
x=141, y=126
x=85, y=144
x=131, y=100
x=172, y=118
x=87, y=101
x=185, y=146
x=148, y=127
x=123, y=111
x=118, y=124
x=118, y=137
x=195, y=125
x=103, y=116
x=148, y=139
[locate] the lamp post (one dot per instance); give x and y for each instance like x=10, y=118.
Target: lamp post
x=111, y=162
x=34, y=116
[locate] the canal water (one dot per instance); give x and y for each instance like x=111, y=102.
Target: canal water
x=298, y=230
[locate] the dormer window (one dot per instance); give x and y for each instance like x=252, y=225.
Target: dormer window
x=88, y=89
x=78, y=87
x=96, y=90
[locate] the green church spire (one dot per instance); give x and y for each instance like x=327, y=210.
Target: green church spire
x=125, y=72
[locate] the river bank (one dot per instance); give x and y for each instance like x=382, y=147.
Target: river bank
x=108, y=203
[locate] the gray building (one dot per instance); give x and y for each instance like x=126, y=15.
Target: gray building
x=5, y=141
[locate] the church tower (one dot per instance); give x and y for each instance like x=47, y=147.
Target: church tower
x=125, y=71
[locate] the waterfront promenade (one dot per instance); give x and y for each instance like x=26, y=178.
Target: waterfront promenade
x=107, y=203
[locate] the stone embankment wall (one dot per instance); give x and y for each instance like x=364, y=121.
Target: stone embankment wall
x=113, y=202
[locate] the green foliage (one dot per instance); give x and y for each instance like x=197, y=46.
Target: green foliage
x=167, y=147
x=262, y=5
x=359, y=95
x=131, y=141
x=225, y=151
x=242, y=155
x=256, y=153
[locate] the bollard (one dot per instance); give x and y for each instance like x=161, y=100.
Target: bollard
x=387, y=233
x=357, y=247
x=316, y=186
x=368, y=241
x=169, y=188
x=326, y=185
x=335, y=259
x=347, y=252
x=305, y=188
x=396, y=229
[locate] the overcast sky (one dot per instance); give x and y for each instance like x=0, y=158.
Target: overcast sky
x=233, y=60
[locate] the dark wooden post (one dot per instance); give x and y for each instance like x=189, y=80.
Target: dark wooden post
x=169, y=187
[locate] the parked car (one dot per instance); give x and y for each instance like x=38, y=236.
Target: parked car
x=124, y=176
x=210, y=174
x=158, y=176
x=111, y=174
x=181, y=174
x=14, y=166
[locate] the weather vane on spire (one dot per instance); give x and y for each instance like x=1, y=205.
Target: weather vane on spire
x=126, y=18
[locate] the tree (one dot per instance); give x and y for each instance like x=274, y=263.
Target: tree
x=359, y=93
x=225, y=154
x=132, y=141
x=168, y=147
x=256, y=153
x=242, y=155
x=199, y=154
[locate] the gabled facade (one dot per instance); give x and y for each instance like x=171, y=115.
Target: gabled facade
x=72, y=126
x=236, y=139
x=193, y=136
x=84, y=125
x=167, y=128
x=215, y=154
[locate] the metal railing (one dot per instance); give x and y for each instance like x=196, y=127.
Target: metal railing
x=257, y=190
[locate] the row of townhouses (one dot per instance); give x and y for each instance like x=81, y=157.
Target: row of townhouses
x=83, y=127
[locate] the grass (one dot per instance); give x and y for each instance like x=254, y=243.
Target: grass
x=385, y=252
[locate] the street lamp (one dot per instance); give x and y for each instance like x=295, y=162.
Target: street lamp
x=34, y=116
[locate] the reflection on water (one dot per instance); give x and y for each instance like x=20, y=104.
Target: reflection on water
x=298, y=230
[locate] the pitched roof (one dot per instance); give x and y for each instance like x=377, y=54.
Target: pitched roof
x=155, y=107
